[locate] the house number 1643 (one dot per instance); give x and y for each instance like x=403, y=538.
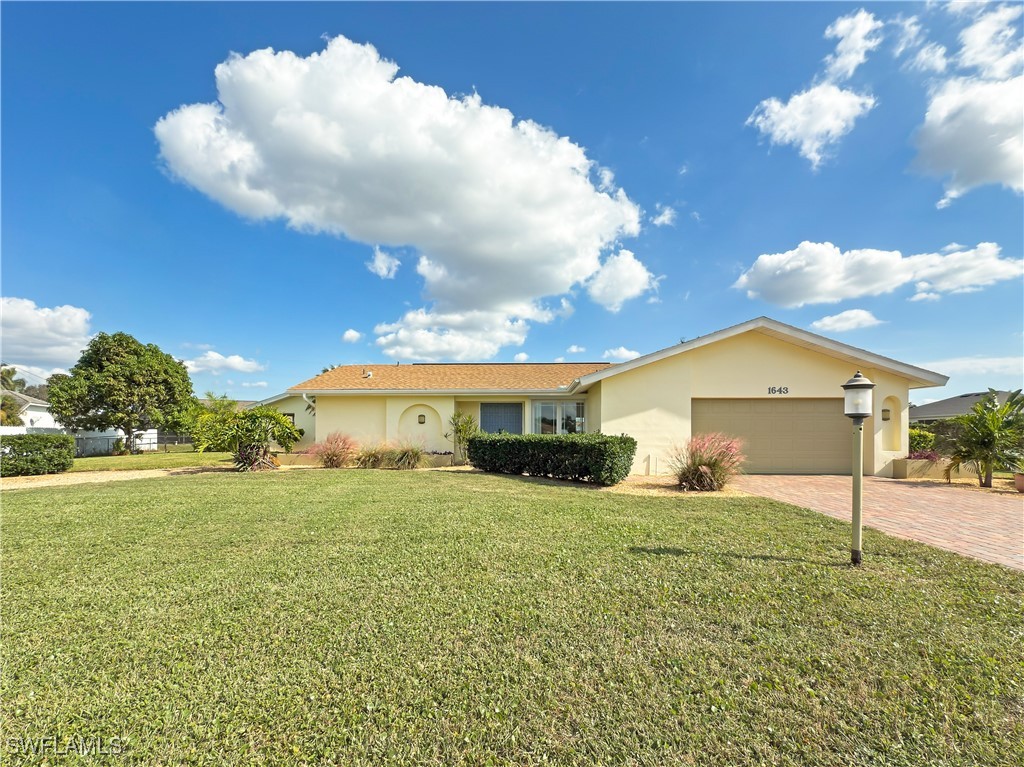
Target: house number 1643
x=778, y=390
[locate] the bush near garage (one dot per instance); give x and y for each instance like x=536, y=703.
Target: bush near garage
x=920, y=440
x=24, y=454
x=597, y=458
x=707, y=462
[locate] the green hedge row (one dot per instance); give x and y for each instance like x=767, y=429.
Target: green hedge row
x=22, y=454
x=598, y=458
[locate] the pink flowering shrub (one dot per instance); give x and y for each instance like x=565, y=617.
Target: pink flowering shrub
x=336, y=451
x=707, y=461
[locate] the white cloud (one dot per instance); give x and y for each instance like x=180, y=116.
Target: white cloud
x=990, y=45
x=502, y=213
x=559, y=359
x=973, y=133
x=666, y=215
x=351, y=336
x=216, y=363
x=521, y=357
x=460, y=336
x=1010, y=366
x=851, y=319
x=910, y=34
x=42, y=337
x=696, y=216
x=812, y=120
x=33, y=374
x=620, y=278
x=973, y=130
x=857, y=39
x=575, y=349
x=930, y=58
x=819, y=272
x=620, y=353
x=925, y=296
x=383, y=265
x=254, y=384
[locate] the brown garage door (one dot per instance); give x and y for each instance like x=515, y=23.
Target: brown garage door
x=782, y=436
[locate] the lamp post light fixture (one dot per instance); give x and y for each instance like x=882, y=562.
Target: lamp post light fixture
x=857, y=405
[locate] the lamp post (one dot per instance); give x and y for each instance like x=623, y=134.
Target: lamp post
x=857, y=405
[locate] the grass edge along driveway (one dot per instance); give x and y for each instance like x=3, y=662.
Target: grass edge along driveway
x=360, y=617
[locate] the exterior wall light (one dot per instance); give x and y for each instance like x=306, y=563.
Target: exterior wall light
x=857, y=405
x=421, y=418
x=886, y=414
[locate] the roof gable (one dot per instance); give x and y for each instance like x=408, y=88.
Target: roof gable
x=918, y=377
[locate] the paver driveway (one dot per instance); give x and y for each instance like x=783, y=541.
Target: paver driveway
x=986, y=526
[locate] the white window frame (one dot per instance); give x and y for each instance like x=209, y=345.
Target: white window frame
x=561, y=408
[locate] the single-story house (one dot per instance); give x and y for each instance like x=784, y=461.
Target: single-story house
x=775, y=386
x=36, y=418
x=34, y=412
x=950, y=407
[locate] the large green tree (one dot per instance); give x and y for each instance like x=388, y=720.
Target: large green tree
x=119, y=383
x=991, y=436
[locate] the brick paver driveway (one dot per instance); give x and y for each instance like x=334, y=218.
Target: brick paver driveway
x=986, y=526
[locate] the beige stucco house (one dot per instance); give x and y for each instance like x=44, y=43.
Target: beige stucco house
x=776, y=386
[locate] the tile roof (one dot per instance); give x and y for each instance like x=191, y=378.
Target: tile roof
x=517, y=376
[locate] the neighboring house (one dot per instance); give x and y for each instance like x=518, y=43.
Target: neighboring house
x=35, y=413
x=775, y=386
x=951, y=407
x=37, y=419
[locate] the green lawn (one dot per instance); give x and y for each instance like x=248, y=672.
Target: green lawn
x=154, y=460
x=360, y=617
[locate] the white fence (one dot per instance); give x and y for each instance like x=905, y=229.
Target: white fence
x=89, y=443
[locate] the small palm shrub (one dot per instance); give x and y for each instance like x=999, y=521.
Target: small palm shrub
x=707, y=462
x=407, y=455
x=336, y=451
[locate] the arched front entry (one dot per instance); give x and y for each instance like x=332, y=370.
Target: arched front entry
x=421, y=425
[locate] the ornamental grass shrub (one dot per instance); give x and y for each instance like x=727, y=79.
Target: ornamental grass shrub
x=407, y=456
x=404, y=455
x=335, y=451
x=598, y=458
x=375, y=456
x=707, y=462
x=25, y=454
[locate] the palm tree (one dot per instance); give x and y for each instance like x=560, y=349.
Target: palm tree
x=7, y=379
x=991, y=436
x=10, y=411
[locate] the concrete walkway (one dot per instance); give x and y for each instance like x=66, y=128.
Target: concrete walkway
x=986, y=526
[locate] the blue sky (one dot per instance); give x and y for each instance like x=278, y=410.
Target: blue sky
x=535, y=180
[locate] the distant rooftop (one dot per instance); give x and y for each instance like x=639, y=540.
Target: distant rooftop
x=952, y=406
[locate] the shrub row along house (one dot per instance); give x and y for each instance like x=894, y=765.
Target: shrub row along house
x=773, y=385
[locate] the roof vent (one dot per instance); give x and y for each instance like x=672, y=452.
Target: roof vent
x=367, y=373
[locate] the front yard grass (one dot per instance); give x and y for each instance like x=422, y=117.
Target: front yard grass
x=152, y=460
x=440, y=618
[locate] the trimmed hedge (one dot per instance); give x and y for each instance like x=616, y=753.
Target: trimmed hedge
x=22, y=454
x=598, y=458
